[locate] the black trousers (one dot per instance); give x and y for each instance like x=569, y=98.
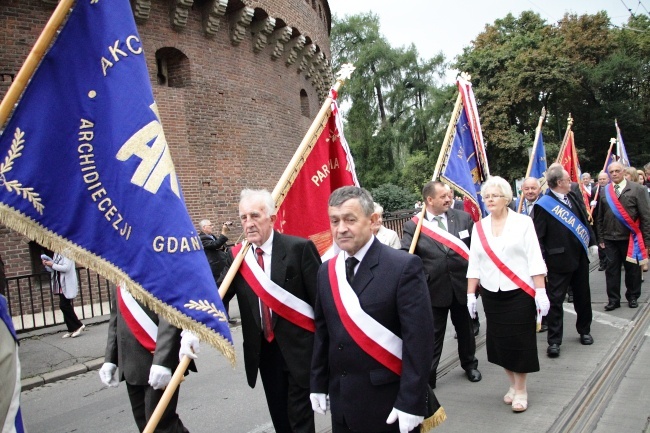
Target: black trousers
x=616, y=251
x=143, y=403
x=558, y=283
x=288, y=402
x=462, y=322
x=70, y=318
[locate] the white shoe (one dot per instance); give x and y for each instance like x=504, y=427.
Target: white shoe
x=66, y=335
x=78, y=331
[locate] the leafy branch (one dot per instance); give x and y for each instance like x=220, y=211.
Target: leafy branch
x=208, y=308
x=14, y=151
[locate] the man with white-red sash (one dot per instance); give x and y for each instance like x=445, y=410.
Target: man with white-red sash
x=566, y=238
x=443, y=246
x=372, y=349
x=623, y=227
x=276, y=291
x=145, y=348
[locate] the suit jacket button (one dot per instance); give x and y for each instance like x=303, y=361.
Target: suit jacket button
x=345, y=373
x=340, y=346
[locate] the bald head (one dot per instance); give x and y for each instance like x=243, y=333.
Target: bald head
x=616, y=172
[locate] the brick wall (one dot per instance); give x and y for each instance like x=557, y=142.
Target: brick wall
x=233, y=118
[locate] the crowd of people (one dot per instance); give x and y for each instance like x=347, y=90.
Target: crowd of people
x=371, y=353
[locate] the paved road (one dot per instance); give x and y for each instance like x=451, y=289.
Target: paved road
x=217, y=399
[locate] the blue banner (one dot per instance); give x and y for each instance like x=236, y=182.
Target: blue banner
x=538, y=168
x=87, y=172
x=460, y=167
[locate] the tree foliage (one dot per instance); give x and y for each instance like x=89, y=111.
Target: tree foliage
x=393, y=197
x=396, y=105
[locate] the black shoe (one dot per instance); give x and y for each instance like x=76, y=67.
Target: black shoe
x=473, y=375
x=476, y=330
x=543, y=328
x=553, y=350
x=570, y=299
x=633, y=303
x=586, y=339
x=233, y=321
x=601, y=267
x=432, y=384
x=612, y=306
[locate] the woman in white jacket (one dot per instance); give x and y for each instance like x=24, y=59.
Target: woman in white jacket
x=64, y=283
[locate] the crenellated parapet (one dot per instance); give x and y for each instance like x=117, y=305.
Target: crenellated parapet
x=286, y=43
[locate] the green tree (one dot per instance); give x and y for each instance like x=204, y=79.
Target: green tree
x=394, y=100
x=393, y=197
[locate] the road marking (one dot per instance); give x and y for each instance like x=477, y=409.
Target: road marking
x=264, y=428
x=602, y=318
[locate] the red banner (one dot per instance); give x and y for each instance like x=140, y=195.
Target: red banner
x=569, y=159
x=329, y=166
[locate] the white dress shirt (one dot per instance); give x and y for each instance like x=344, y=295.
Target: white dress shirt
x=517, y=247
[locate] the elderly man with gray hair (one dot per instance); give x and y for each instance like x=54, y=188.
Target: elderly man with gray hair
x=385, y=235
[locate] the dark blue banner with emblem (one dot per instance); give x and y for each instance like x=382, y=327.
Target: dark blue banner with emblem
x=86, y=171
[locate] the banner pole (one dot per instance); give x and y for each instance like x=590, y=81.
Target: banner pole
x=33, y=59
x=436, y=172
x=538, y=131
x=612, y=141
x=565, y=139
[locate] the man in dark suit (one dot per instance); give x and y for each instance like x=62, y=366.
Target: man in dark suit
x=566, y=257
x=146, y=374
x=587, y=186
x=614, y=236
x=275, y=345
x=369, y=389
x=446, y=272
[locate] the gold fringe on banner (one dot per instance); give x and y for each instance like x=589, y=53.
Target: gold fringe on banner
x=434, y=421
x=19, y=222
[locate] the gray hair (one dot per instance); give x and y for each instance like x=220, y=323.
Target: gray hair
x=262, y=195
x=203, y=223
x=501, y=184
x=379, y=209
x=554, y=175
x=585, y=174
x=533, y=178
x=345, y=193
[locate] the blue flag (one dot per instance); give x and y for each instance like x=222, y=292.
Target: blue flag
x=538, y=168
x=621, y=153
x=461, y=168
x=86, y=171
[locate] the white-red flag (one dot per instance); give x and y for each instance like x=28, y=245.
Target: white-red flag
x=329, y=166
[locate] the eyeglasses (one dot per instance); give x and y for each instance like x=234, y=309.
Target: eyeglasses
x=493, y=196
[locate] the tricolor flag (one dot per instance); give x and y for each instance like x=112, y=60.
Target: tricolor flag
x=328, y=166
x=86, y=171
x=621, y=153
x=465, y=167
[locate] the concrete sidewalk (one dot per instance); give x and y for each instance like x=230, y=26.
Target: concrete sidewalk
x=45, y=357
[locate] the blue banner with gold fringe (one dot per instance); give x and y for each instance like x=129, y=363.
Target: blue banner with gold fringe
x=86, y=170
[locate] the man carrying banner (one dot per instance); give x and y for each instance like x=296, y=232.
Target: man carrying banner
x=565, y=237
x=443, y=246
x=145, y=347
x=623, y=227
x=276, y=291
x=372, y=353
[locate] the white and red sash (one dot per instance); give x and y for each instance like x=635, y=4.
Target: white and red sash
x=373, y=338
x=444, y=237
x=283, y=303
x=636, y=248
x=142, y=327
x=499, y=263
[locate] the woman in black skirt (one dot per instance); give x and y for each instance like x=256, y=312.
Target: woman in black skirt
x=506, y=260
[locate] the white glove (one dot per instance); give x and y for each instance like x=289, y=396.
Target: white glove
x=541, y=302
x=108, y=374
x=593, y=250
x=318, y=403
x=407, y=422
x=189, y=345
x=159, y=376
x=471, y=305
x=593, y=203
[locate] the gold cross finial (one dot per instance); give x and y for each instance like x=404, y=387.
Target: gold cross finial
x=345, y=72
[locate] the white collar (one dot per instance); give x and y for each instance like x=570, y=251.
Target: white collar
x=362, y=251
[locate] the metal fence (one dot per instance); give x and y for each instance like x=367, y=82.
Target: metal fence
x=32, y=304
x=395, y=220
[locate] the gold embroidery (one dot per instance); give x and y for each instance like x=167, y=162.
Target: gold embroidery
x=13, y=185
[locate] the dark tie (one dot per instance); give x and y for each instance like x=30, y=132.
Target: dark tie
x=350, y=264
x=617, y=189
x=566, y=201
x=267, y=325
x=440, y=223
